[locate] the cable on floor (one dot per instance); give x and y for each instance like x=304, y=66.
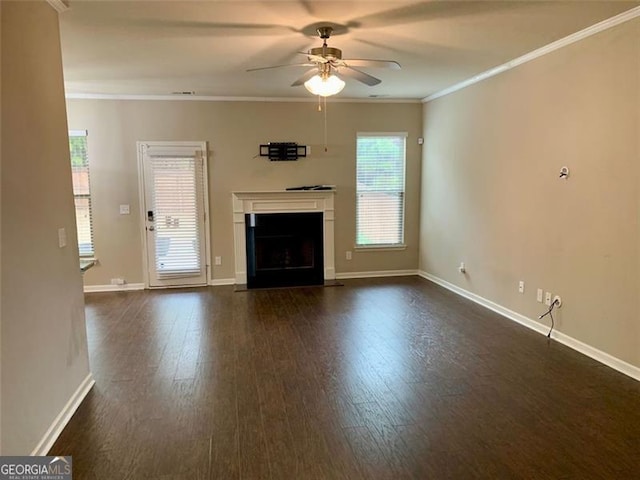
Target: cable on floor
x=550, y=313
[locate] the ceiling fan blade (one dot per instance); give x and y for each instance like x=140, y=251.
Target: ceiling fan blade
x=308, y=74
x=280, y=66
x=308, y=7
x=425, y=11
x=363, y=62
x=314, y=58
x=360, y=76
x=209, y=29
x=428, y=51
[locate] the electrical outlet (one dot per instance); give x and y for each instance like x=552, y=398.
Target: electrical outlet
x=547, y=299
x=348, y=255
x=539, y=295
x=117, y=281
x=521, y=286
x=558, y=300
x=217, y=260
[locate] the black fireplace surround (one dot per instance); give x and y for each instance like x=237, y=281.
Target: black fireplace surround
x=284, y=249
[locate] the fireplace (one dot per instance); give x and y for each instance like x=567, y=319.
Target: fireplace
x=284, y=249
x=267, y=206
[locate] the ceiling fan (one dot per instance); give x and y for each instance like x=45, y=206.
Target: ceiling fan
x=326, y=61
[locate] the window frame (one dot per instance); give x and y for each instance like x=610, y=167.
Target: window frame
x=384, y=246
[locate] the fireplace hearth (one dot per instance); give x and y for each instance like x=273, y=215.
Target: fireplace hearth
x=284, y=249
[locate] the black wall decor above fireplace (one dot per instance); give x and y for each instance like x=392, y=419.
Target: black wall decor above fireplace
x=284, y=249
x=283, y=151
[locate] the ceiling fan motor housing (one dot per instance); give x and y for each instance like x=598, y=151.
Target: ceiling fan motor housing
x=329, y=53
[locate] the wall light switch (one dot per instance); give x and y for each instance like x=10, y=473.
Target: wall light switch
x=521, y=286
x=125, y=210
x=348, y=255
x=547, y=299
x=217, y=261
x=62, y=237
x=539, y=295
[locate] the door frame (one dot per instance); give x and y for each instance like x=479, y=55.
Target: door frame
x=203, y=147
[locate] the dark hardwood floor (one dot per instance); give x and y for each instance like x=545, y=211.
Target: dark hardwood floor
x=379, y=379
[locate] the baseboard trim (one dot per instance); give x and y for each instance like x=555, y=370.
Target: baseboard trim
x=113, y=288
x=592, y=352
x=602, y=357
x=54, y=431
x=374, y=274
x=140, y=286
x=221, y=281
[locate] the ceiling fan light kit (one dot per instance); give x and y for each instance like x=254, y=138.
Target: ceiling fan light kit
x=324, y=84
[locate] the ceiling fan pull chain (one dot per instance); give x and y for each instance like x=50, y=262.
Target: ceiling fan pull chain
x=325, y=124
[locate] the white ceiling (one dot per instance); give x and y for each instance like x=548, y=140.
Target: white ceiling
x=156, y=48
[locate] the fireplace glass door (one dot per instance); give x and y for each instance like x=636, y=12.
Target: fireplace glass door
x=284, y=249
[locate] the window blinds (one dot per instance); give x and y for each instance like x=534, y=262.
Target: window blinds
x=380, y=178
x=175, y=196
x=82, y=191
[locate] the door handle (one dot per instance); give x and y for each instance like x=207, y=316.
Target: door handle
x=151, y=228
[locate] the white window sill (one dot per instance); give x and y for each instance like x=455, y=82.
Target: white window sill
x=86, y=263
x=379, y=248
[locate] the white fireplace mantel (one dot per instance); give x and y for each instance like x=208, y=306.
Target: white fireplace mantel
x=283, y=201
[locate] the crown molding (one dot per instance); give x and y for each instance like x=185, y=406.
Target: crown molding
x=551, y=47
x=60, y=6
x=207, y=98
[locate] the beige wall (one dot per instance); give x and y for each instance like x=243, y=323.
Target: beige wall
x=234, y=131
x=491, y=195
x=44, y=347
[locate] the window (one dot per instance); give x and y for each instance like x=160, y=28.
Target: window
x=81, y=191
x=380, y=172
